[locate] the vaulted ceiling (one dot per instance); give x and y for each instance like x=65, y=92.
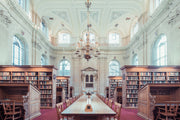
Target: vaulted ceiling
x=105, y=15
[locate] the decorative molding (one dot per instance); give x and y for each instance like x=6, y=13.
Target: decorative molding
x=174, y=18
x=4, y=18
x=37, y=45
x=62, y=14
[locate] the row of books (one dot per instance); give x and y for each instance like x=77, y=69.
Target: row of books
x=5, y=77
x=132, y=100
x=46, y=91
x=132, y=86
x=132, y=78
x=132, y=82
x=132, y=95
x=45, y=78
x=4, y=73
x=45, y=82
x=45, y=86
x=153, y=73
x=131, y=91
x=46, y=96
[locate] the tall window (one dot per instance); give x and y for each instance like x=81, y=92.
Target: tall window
x=91, y=78
x=24, y=4
x=135, y=60
x=87, y=78
x=64, y=38
x=44, y=28
x=134, y=30
x=64, y=68
x=43, y=60
x=157, y=3
x=114, y=38
x=160, y=51
x=18, y=51
x=114, y=68
x=91, y=37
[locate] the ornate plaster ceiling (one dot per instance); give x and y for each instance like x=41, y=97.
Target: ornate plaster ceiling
x=105, y=15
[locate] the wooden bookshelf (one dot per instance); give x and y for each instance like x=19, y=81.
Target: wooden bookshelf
x=25, y=95
x=152, y=95
x=135, y=77
x=63, y=81
x=60, y=94
x=114, y=82
x=118, y=95
x=42, y=77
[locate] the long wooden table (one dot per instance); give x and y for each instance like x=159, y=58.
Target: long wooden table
x=99, y=108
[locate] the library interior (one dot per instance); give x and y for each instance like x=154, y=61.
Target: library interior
x=89, y=59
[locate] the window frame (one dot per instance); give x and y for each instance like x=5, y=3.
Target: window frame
x=64, y=71
x=18, y=47
x=117, y=73
x=135, y=60
x=114, y=41
x=61, y=39
x=160, y=51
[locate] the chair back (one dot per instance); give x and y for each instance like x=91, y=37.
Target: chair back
x=9, y=106
x=11, y=112
x=118, y=110
x=106, y=101
x=171, y=108
x=110, y=103
x=59, y=109
x=67, y=103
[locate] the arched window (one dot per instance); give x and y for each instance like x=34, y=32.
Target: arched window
x=134, y=30
x=24, y=4
x=87, y=78
x=91, y=78
x=114, y=68
x=114, y=38
x=64, y=68
x=135, y=60
x=160, y=51
x=18, y=56
x=157, y=3
x=63, y=38
x=44, y=28
x=43, y=60
x=91, y=37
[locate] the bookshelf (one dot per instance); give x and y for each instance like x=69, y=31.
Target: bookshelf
x=42, y=77
x=118, y=95
x=63, y=81
x=25, y=95
x=156, y=94
x=135, y=77
x=60, y=94
x=114, y=82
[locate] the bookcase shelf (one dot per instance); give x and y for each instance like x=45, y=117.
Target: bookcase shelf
x=62, y=83
x=114, y=83
x=135, y=77
x=42, y=77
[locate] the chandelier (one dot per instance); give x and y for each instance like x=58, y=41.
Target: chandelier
x=86, y=48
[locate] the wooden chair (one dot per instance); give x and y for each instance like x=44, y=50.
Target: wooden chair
x=117, y=109
x=110, y=103
x=169, y=111
x=67, y=103
x=59, y=109
x=11, y=112
x=106, y=101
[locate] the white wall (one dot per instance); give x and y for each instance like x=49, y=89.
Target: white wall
x=164, y=20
